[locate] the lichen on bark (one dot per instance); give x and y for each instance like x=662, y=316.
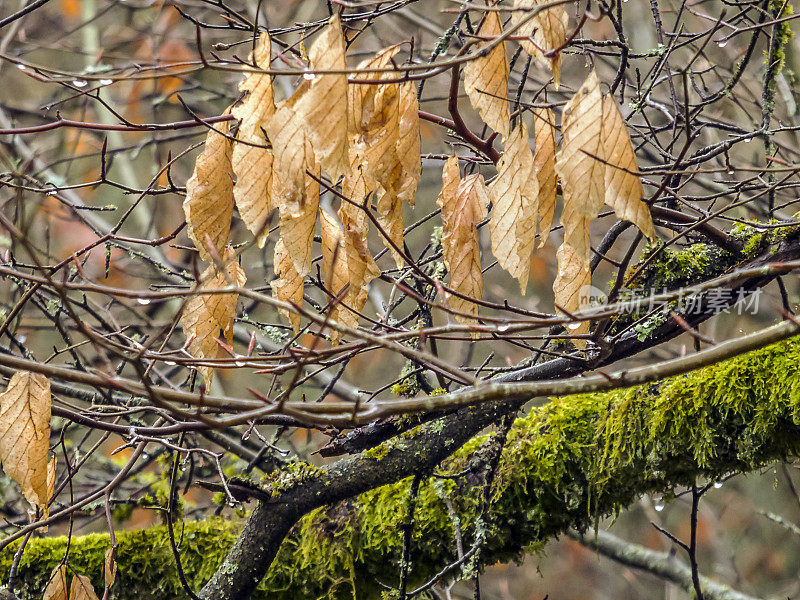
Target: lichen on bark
x=565, y=464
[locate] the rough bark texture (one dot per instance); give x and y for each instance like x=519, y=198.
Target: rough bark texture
x=565, y=463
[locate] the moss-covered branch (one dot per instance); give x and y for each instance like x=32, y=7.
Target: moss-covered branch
x=564, y=465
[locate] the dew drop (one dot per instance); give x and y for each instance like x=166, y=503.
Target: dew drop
x=21, y=67
x=659, y=506
x=503, y=327
x=722, y=43
x=308, y=76
x=240, y=363
x=79, y=83
x=21, y=338
x=748, y=140
x=730, y=172
x=171, y=363
x=106, y=81
x=717, y=484
x=144, y=301
x=573, y=326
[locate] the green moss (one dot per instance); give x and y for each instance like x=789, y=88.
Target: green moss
x=565, y=464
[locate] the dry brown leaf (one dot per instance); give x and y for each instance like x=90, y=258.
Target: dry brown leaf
x=544, y=163
x=571, y=286
x=25, y=436
x=463, y=205
x=297, y=227
x=81, y=589
x=578, y=163
x=514, y=195
x=365, y=99
x=323, y=107
x=288, y=286
x=408, y=144
x=623, y=188
x=252, y=161
x=109, y=568
x=548, y=29
x=209, y=317
x=486, y=78
x=209, y=194
x=56, y=588
x=293, y=155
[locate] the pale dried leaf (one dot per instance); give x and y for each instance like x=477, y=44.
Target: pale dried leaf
x=390, y=218
x=293, y=154
x=109, y=568
x=209, y=317
x=571, y=286
x=209, y=193
x=297, y=227
x=623, y=186
x=364, y=104
x=25, y=435
x=252, y=160
x=578, y=163
x=486, y=78
x=544, y=163
x=288, y=285
x=323, y=107
x=56, y=588
x=548, y=28
x=409, y=144
x=81, y=589
x=514, y=195
x=463, y=205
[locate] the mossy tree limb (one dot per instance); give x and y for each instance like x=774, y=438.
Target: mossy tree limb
x=565, y=464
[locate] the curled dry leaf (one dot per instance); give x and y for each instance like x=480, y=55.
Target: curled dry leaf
x=463, y=204
x=623, y=187
x=348, y=267
x=209, y=317
x=582, y=174
x=293, y=155
x=251, y=158
x=297, y=227
x=544, y=163
x=486, y=78
x=382, y=140
x=288, y=285
x=323, y=107
x=81, y=589
x=25, y=436
x=548, y=28
x=209, y=194
x=514, y=195
x=571, y=285
x=56, y=588
x=109, y=568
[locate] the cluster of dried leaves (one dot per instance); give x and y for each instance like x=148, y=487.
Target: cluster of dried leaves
x=364, y=135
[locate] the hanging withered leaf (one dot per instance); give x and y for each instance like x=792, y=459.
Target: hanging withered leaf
x=623, y=187
x=544, y=163
x=109, y=568
x=56, y=588
x=252, y=157
x=377, y=146
x=297, y=227
x=578, y=166
x=293, y=155
x=572, y=286
x=349, y=268
x=25, y=436
x=514, y=195
x=486, y=78
x=463, y=203
x=207, y=318
x=209, y=194
x=81, y=589
x=548, y=28
x=323, y=107
x=288, y=285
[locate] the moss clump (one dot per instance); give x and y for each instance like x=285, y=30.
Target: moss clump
x=565, y=464
x=672, y=269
